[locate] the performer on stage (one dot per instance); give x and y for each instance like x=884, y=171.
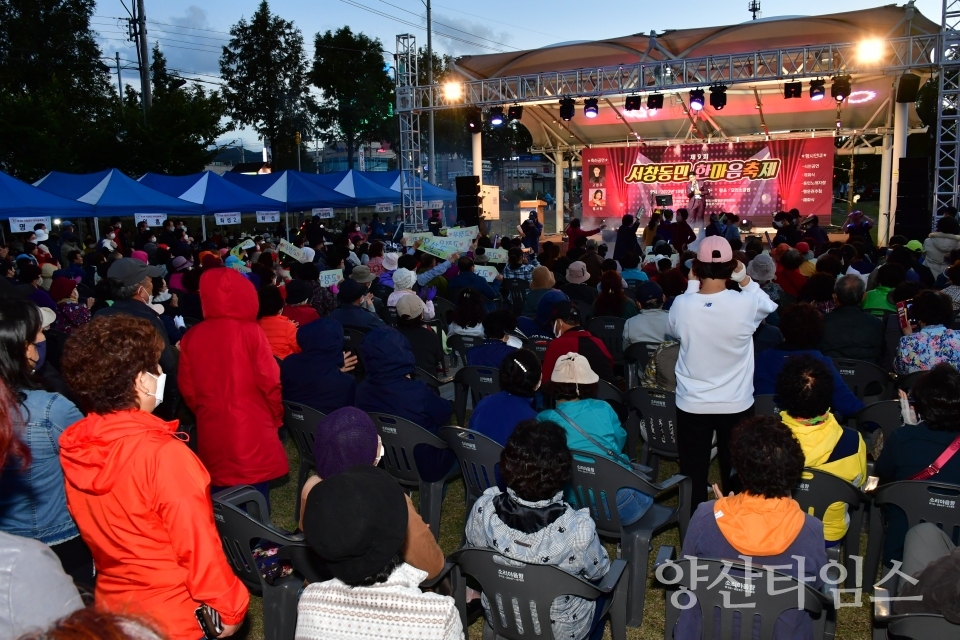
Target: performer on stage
x=697, y=204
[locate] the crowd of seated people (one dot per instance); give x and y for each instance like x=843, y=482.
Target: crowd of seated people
x=142, y=375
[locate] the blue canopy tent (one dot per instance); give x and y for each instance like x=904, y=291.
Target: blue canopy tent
x=21, y=199
x=391, y=180
x=364, y=191
x=292, y=188
x=211, y=192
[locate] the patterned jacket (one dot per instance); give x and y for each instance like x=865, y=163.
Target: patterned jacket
x=570, y=542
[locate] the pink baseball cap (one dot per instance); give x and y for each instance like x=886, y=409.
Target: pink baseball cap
x=714, y=249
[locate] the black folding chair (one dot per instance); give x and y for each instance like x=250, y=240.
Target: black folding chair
x=911, y=626
x=380, y=291
x=816, y=492
x=765, y=404
x=615, y=398
x=461, y=344
x=657, y=427
x=595, y=480
x=476, y=383
x=478, y=456
x=521, y=594
x=865, y=379
x=399, y=438
x=540, y=347
x=636, y=357
x=921, y=501
x=433, y=381
x=240, y=516
x=301, y=421
x=884, y=414
x=444, y=309
x=907, y=380
x=609, y=329
x=729, y=589
x=514, y=292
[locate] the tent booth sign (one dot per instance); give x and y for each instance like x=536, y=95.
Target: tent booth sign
x=26, y=225
x=152, y=219
x=872, y=48
x=268, y=216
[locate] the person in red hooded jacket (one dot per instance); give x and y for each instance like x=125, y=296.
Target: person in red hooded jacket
x=139, y=496
x=230, y=379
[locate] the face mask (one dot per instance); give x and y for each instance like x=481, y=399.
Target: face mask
x=379, y=455
x=111, y=235
x=556, y=329
x=161, y=381
x=41, y=354
x=152, y=239
x=163, y=296
x=350, y=246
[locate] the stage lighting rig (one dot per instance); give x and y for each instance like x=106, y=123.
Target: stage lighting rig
x=567, y=108
x=696, y=99
x=496, y=116
x=840, y=88
x=631, y=103
x=591, y=108
x=817, y=91
x=655, y=101
x=792, y=90
x=474, y=120
x=515, y=112
x=718, y=97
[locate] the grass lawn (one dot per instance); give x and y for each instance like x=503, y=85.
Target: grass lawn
x=853, y=622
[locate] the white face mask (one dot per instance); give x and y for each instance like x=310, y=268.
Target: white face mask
x=111, y=235
x=161, y=382
x=379, y=453
x=152, y=239
x=163, y=296
x=556, y=329
x=350, y=246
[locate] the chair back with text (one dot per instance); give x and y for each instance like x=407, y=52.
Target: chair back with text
x=865, y=379
x=302, y=423
x=609, y=329
x=476, y=383
x=478, y=456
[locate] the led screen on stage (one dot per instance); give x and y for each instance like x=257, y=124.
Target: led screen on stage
x=751, y=179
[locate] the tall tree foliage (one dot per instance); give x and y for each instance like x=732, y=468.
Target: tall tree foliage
x=267, y=88
x=357, y=90
x=56, y=100
x=182, y=124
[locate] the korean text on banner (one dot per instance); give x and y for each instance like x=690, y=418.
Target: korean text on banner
x=25, y=225
x=443, y=247
x=152, y=219
x=384, y=207
x=463, y=232
x=294, y=252
x=435, y=204
x=496, y=256
x=268, y=216
x=331, y=277
x=228, y=218
x=323, y=212
x=414, y=235
x=487, y=273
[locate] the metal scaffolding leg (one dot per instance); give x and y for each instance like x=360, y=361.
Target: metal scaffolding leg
x=411, y=165
x=948, y=140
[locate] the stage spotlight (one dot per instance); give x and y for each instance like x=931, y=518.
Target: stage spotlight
x=452, y=91
x=655, y=101
x=515, y=112
x=496, y=116
x=474, y=120
x=718, y=97
x=696, y=99
x=631, y=103
x=792, y=90
x=567, y=107
x=840, y=88
x=816, y=89
x=590, y=108
x=870, y=51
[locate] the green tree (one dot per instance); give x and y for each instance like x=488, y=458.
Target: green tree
x=267, y=88
x=182, y=125
x=358, y=94
x=56, y=99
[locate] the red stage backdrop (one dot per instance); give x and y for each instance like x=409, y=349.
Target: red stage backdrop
x=751, y=179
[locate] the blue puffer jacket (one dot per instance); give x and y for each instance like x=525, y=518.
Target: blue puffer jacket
x=33, y=502
x=388, y=358
x=313, y=377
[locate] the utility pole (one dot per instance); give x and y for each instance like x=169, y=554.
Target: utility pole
x=144, y=57
x=297, y=138
x=119, y=79
x=431, y=158
x=243, y=154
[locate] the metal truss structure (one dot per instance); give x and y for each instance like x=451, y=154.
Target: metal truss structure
x=793, y=63
x=947, y=159
x=411, y=188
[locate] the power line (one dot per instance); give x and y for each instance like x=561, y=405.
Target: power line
x=497, y=21
x=416, y=26
x=447, y=25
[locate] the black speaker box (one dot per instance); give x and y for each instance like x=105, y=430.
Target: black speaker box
x=908, y=88
x=468, y=185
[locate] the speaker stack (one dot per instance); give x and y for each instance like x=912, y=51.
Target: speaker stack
x=468, y=200
x=913, y=199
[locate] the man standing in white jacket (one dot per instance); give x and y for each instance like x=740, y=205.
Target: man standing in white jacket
x=715, y=327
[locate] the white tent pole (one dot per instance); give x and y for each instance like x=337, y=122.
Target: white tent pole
x=203, y=228
x=96, y=229
x=901, y=112
x=558, y=162
x=286, y=219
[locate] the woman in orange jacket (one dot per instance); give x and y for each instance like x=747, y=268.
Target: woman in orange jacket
x=139, y=496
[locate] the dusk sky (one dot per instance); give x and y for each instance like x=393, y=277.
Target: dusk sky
x=191, y=32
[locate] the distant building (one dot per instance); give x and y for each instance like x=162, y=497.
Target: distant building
x=377, y=157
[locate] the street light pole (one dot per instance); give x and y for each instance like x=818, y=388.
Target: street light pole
x=144, y=57
x=432, y=153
